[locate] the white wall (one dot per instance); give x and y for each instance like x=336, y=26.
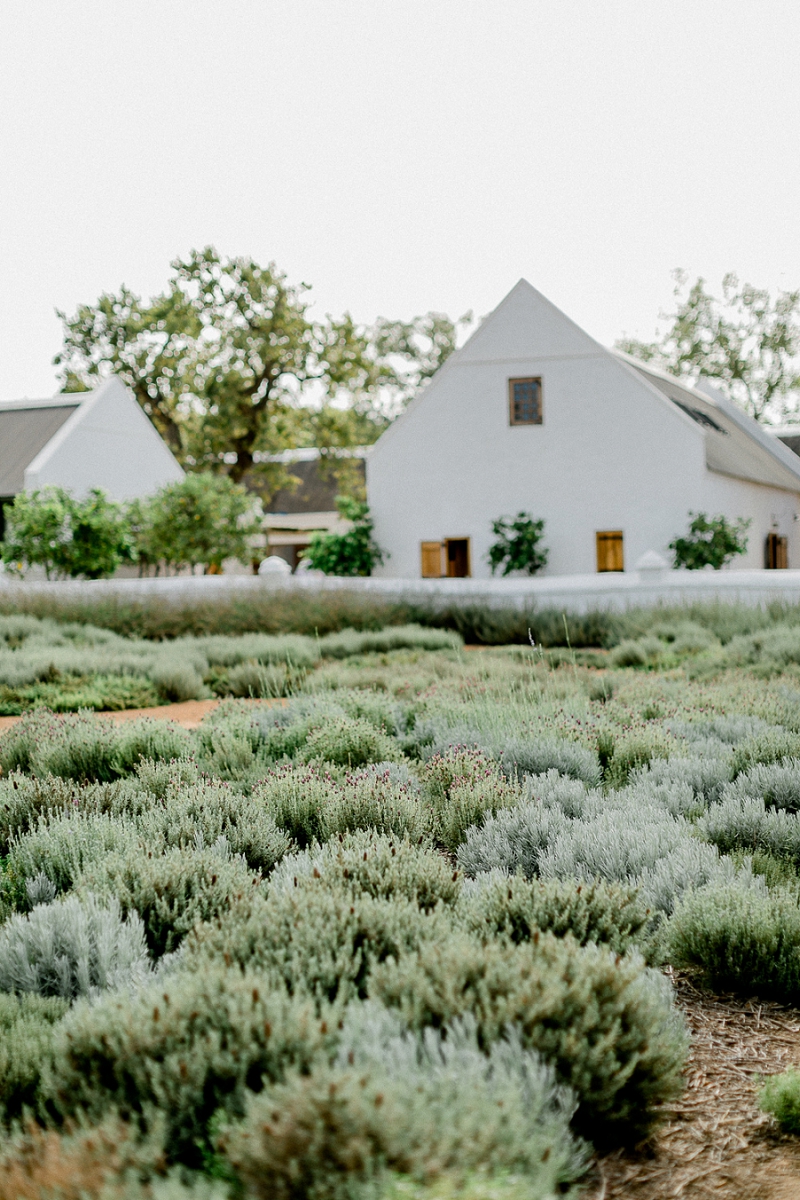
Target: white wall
x=612, y=453
x=108, y=443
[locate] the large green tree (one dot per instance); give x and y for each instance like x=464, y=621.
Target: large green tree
x=230, y=367
x=747, y=342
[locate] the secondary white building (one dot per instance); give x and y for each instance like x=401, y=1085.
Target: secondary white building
x=83, y=440
x=533, y=415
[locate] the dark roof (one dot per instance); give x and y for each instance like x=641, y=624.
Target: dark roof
x=316, y=491
x=792, y=440
x=23, y=433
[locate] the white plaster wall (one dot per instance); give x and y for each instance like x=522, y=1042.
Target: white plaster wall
x=107, y=443
x=770, y=510
x=611, y=453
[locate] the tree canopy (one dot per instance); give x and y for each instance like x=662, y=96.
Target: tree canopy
x=230, y=367
x=747, y=342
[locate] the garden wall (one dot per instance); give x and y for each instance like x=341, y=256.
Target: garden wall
x=570, y=593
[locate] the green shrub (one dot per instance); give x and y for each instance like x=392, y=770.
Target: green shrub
x=769, y=747
x=96, y=1162
x=352, y=553
x=350, y=742
x=63, y=847
x=177, y=681
x=67, y=536
x=517, y=547
x=84, y=748
x=312, y=807
x=399, y=637
x=538, y=757
x=780, y=1096
x=740, y=939
x=742, y=822
x=641, y=652
x=381, y=865
x=26, y=1034
x=180, y=1049
x=72, y=948
x=777, y=784
x=605, y=1022
x=314, y=938
x=423, y=1108
x=171, y=893
x=607, y=913
x=711, y=541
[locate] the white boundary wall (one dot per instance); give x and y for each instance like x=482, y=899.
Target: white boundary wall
x=570, y=593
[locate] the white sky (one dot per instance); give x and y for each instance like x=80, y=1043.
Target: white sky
x=398, y=155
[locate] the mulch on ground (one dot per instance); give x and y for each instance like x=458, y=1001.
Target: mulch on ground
x=716, y=1142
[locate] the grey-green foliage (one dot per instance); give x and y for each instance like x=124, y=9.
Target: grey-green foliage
x=605, y=1022
x=780, y=1096
x=769, y=747
x=72, y=947
x=182, y=1048
x=705, y=776
x=315, y=937
x=777, y=784
x=170, y=892
x=424, y=1106
x=378, y=864
x=742, y=821
x=511, y=841
x=558, y=791
x=350, y=742
x=611, y=914
x=310, y=805
x=61, y=848
x=538, y=757
x=83, y=747
x=740, y=939
x=350, y=641
x=26, y=1034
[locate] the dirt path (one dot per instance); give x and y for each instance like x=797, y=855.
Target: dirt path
x=189, y=714
x=717, y=1143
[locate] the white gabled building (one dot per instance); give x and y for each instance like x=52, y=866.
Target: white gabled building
x=533, y=415
x=83, y=440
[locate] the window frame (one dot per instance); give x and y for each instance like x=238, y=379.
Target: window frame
x=537, y=379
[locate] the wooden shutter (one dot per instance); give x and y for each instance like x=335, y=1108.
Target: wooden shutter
x=431, y=555
x=609, y=550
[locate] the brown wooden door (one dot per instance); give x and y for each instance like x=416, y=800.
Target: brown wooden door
x=609, y=550
x=776, y=553
x=457, y=557
x=431, y=559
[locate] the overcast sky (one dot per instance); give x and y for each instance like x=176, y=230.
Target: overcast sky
x=397, y=155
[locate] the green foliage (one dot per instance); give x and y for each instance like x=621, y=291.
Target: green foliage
x=780, y=1096
x=235, y=336
x=26, y=1034
x=82, y=747
x=711, y=541
x=170, y=892
x=314, y=938
x=350, y=742
x=352, y=553
x=747, y=342
x=421, y=1108
x=181, y=1049
x=603, y=1021
x=740, y=939
x=202, y=519
x=379, y=865
x=610, y=914
x=311, y=806
x=86, y=538
x=771, y=746
x=518, y=545
x=95, y=1162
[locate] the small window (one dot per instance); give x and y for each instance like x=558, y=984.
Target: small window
x=431, y=555
x=609, y=550
x=525, y=401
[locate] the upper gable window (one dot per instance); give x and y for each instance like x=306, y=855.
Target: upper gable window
x=525, y=401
